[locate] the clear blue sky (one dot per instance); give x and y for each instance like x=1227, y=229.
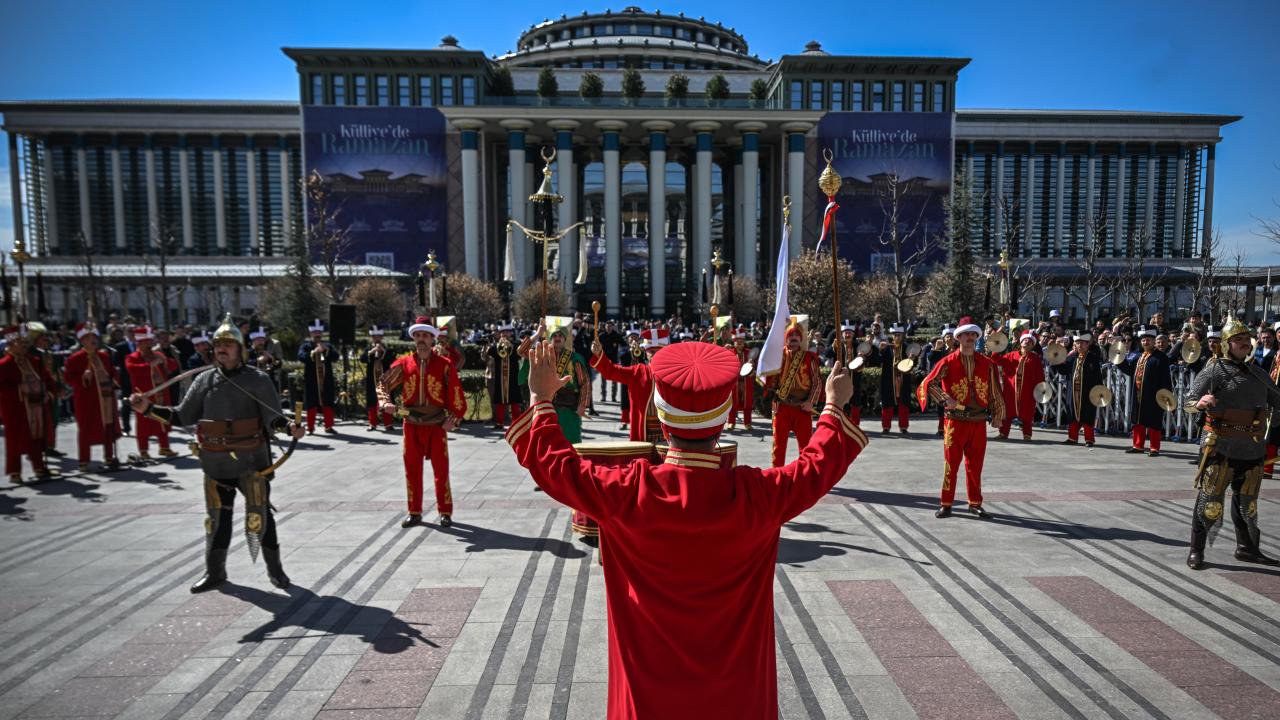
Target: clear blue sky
x=1175, y=55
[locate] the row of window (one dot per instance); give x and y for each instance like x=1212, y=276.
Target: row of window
x=386, y=90
x=608, y=29
x=868, y=95
x=640, y=62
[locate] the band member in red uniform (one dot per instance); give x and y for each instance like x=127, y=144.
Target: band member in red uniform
x=147, y=369
x=796, y=388
x=376, y=361
x=25, y=386
x=320, y=391
x=1023, y=370
x=433, y=404
x=1150, y=372
x=638, y=380
x=93, y=380
x=967, y=384
x=691, y=546
x=744, y=391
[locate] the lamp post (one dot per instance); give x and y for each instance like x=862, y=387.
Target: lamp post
x=1006, y=296
x=544, y=202
x=21, y=257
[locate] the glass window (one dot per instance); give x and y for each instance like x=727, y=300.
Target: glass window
x=701, y=36
x=899, y=90
x=382, y=86
x=655, y=63
x=917, y=97
x=446, y=90
x=339, y=89
x=361, y=89
x=403, y=94
x=684, y=34
x=426, y=96
x=317, y=89
x=666, y=30
x=581, y=31
x=624, y=29
x=468, y=90
x=939, y=97
x=679, y=65
x=856, y=96
x=877, y=96
x=610, y=63
x=644, y=29
x=816, y=100
x=837, y=96
x=797, y=95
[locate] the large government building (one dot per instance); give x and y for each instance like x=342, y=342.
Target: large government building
x=660, y=177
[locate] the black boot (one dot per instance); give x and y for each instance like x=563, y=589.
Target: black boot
x=215, y=571
x=1199, y=533
x=275, y=571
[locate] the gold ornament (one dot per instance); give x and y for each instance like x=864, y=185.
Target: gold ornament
x=830, y=181
x=253, y=523
x=1212, y=510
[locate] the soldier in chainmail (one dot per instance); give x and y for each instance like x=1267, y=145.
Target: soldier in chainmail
x=1240, y=402
x=234, y=408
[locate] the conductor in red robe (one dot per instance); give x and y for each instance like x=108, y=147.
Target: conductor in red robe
x=93, y=380
x=691, y=546
x=1023, y=370
x=25, y=386
x=967, y=385
x=149, y=369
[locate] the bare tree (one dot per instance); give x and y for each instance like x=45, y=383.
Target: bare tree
x=164, y=240
x=324, y=234
x=1233, y=299
x=1088, y=286
x=1010, y=210
x=1135, y=282
x=1034, y=281
x=91, y=283
x=1204, y=293
x=902, y=235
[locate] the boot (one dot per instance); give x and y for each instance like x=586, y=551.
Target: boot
x=215, y=572
x=275, y=571
x=1199, y=533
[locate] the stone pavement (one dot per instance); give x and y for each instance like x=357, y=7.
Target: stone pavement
x=1073, y=603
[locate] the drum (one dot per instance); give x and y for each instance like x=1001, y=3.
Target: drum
x=726, y=449
x=609, y=453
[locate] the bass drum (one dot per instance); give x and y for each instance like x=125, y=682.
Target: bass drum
x=617, y=453
x=726, y=449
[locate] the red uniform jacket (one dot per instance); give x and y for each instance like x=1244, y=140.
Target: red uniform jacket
x=691, y=551
x=745, y=389
x=94, y=400
x=144, y=376
x=642, y=418
x=973, y=381
x=25, y=384
x=435, y=383
x=798, y=381
x=1021, y=376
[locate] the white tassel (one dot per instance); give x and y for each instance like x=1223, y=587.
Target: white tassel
x=509, y=269
x=584, y=259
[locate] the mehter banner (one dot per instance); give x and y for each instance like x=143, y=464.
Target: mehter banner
x=384, y=169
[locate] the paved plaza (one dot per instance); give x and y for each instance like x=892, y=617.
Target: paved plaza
x=1073, y=603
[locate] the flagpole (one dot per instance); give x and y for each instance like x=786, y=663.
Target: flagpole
x=829, y=182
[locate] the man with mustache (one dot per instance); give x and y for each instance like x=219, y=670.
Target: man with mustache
x=25, y=386
x=92, y=376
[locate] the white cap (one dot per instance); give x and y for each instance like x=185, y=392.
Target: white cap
x=316, y=327
x=261, y=332
x=968, y=328
x=375, y=330
x=421, y=327
x=1054, y=314
x=201, y=338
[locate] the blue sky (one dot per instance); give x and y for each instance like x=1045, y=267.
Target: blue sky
x=1174, y=55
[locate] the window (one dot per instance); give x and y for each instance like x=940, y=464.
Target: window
x=403, y=93
x=665, y=30
x=317, y=89
x=899, y=90
x=468, y=90
x=701, y=37
x=797, y=95
x=581, y=31
x=877, y=96
x=837, y=96
x=856, y=96
x=939, y=97
x=816, y=101
x=655, y=63
x=382, y=86
x=446, y=90
x=426, y=97
x=601, y=29
x=917, y=97
x=380, y=259
x=339, y=89
x=644, y=29
x=361, y=90
x=610, y=63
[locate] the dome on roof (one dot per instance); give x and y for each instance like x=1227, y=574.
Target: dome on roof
x=449, y=42
x=813, y=47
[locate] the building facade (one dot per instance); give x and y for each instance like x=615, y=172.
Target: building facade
x=660, y=177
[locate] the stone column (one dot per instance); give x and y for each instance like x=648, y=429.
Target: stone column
x=286, y=197
x=153, y=202
x=15, y=191
x=795, y=182
x=746, y=264
x=612, y=215
x=1088, y=190
x=1059, y=198
x=82, y=182
x=999, y=199
x=1120, y=243
x=470, y=144
x=658, y=215
x=50, y=197
x=519, y=194
x=735, y=146
x=1207, y=236
x=1180, y=203
x=219, y=198
x=251, y=185
x=184, y=177
x=117, y=187
x=702, y=199
x=1149, y=212
x=1029, y=215
x=567, y=179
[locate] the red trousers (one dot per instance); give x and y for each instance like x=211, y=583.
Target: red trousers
x=373, y=417
x=855, y=414
x=108, y=448
x=789, y=419
x=904, y=417
x=13, y=457
x=741, y=403
x=1028, y=419
x=1142, y=432
x=500, y=412
x=963, y=440
x=148, y=429
x=1073, y=431
x=426, y=442
x=1271, y=452
x=328, y=418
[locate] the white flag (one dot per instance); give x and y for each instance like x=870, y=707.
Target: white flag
x=770, y=361
x=583, y=259
x=509, y=269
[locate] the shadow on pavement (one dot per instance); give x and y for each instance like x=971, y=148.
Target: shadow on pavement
x=482, y=539
x=795, y=552
x=331, y=615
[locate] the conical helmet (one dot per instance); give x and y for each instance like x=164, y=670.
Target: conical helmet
x=228, y=331
x=1234, y=327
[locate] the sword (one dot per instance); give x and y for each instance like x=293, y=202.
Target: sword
x=176, y=378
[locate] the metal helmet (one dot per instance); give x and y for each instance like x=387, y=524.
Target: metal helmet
x=228, y=331
x=1234, y=327
x=35, y=330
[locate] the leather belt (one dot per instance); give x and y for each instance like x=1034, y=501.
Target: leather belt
x=967, y=414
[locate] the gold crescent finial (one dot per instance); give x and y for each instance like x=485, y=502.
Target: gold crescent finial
x=548, y=158
x=786, y=208
x=827, y=155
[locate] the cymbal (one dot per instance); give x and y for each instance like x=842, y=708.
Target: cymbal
x=857, y=362
x=864, y=348
x=906, y=365
x=1055, y=354
x=1116, y=354
x=1191, y=350
x=1165, y=399
x=997, y=342
x=1043, y=393
x=913, y=350
x=1101, y=396
x=747, y=367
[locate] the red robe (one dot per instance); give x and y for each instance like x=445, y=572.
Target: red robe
x=953, y=379
x=1021, y=376
x=642, y=419
x=95, y=402
x=25, y=385
x=691, y=549
x=144, y=376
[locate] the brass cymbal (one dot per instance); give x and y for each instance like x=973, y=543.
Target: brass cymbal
x=913, y=350
x=1101, y=396
x=864, y=348
x=997, y=342
x=1055, y=354
x=906, y=365
x=1166, y=400
x=1043, y=393
x=1191, y=350
x=1116, y=354
x=857, y=362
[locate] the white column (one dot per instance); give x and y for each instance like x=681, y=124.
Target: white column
x=1120, y=243
x=82, y=180
x=1180, y=202
x=470, y=144
x=704, y=131
x=795, y=182
x=519, y=194
x=1057, y=206
x=251, y=185
x=612, y=216
x=1149, y=212
x=658, y=215
x=746, y=264
x=15, y=191
x=735, y=146
x=1000, y=199
x=153, y=204
x=567, y=186
x=184, y=183
x=50, y=197
x=1029, y=217
x=532, y=178
x=1089, y=186
x=1208, y=195
x=219, y=198
x=117, y=189
x=286, y=198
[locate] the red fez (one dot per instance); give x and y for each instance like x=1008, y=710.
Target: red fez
x=693, y=388
x=794, y=328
